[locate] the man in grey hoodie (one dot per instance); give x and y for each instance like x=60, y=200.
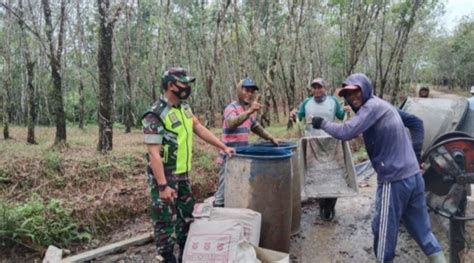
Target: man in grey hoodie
x=400, y=190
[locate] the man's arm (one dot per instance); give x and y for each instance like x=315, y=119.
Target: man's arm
x=302, y=111
x=209, y=137
x=156, y=163
x=264, y=134
x=417, y=131
x=234, y=119
x=362, y=121
x=154, y=131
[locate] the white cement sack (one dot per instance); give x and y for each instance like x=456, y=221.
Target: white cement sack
x=271, y=256
x=250, y=220
x=201, y=210
x=216, y=241
x=246, y=253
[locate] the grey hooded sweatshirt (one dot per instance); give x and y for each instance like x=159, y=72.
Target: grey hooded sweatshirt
x=386, y=139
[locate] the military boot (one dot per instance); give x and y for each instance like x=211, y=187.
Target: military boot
x=166, y=257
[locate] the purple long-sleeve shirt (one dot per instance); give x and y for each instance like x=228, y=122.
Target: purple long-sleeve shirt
x=386, y=139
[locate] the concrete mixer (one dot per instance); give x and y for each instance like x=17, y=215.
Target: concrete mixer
x=448, y=159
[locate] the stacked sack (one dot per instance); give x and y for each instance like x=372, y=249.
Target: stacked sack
x=222, y=235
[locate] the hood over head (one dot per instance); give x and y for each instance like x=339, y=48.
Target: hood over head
x=361, y=81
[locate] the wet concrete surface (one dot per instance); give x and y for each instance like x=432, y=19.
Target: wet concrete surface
x=348, y=238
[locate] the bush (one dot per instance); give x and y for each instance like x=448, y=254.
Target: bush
x=37, y=224
x=360, y=155
x=206, y=161
x=4, y=176
x=52, y=161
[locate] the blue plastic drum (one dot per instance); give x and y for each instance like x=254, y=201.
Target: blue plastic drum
x=296, y=182
x=259, y=178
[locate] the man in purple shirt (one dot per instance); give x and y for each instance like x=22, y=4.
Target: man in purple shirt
x=400, y=190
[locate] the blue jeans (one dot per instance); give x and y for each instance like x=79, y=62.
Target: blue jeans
x=219, y=195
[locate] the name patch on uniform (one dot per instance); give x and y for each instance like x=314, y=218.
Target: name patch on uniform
x=188, y=113
x=174, y=120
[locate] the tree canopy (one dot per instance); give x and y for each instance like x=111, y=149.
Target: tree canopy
x=78, y=62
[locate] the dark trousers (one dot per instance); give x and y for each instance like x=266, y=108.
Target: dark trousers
x=397, y=201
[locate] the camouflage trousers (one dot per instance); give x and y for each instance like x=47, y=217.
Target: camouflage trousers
x=171, y=220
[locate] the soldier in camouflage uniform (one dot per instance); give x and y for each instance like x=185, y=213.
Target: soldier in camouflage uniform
x=168, y=127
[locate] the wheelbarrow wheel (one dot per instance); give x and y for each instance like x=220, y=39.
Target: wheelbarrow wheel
x=327, y=208
x=327, y=214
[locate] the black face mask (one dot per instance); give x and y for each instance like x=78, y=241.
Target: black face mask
x=182, y=93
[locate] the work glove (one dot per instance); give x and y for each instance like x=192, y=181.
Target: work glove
x=317, y=122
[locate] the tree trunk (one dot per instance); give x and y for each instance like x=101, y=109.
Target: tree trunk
x=4, y=102
x=291, y=91
x=269, y=95
x=129, y=118
x=5, y=92
x=238, y=41
x=22, y=118
x=265, y=117
x=105, y=64
x=30, y=65
x=31, y=103
x=210, y=118
x=80, y=34
x=398, y=68
x=379, y=53
x=213, y=65
x=294, y=27
x=55, y=63
x=276, y=116
x=6, y=96
x=285, y=85
x=396, y=56
x=81, y=104
x=405, y=31
x=361, y=19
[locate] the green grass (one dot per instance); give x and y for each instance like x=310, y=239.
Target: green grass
x=205, y=160
x=91, y=184
x=360, y=155
x=456, y=91
x=103, y=190
x=36, y=224
x=281, y=132
x=4, y=176
x=52, y=161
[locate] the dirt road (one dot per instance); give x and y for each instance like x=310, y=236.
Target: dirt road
x=349, y=237
x=346, y=239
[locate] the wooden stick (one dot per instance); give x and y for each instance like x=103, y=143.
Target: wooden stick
x=109, y=249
